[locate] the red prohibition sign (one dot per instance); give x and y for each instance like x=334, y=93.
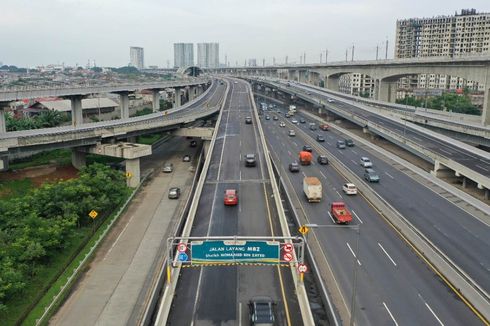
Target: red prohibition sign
x=288, y=247
x=302, y=268
x=182, y=247
x=288, y=257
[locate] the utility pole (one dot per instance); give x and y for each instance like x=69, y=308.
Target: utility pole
x=346, y=50
x=326, y=56
x=286, y=59
x=321, y=57
x=273, y=61
x=377, y=50
x=263, y=62
x=352, y=58
x=304, y=58
x=245, y=63
x=226, y=60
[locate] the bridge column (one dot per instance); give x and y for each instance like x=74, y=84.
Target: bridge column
x=76, y=111
x=332, y=83
x=178, y=98
x=156, y=100
x=386, y=91
x=441, y=171
x=3, y=124
x=314, y=79
x=124, y=104
x=133, y=170
x=192, y=93
x=486, y=106
x=78, y=158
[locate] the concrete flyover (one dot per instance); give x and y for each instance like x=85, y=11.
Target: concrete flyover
x=90, y=136
x=191, y=86
x=384, y=72
x=451, y=158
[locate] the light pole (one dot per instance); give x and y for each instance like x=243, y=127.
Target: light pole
x=356, y=259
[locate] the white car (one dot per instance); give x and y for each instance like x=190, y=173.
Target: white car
x=292, y=133
x=282, y=124
x=349, y=189
x=294, y=121
x=330, y=100
x=366, y=162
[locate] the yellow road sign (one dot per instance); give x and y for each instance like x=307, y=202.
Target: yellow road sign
x=93, y=214
x=129, y=174
x=303, y=229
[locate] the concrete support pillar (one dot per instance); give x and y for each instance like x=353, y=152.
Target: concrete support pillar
x=131, y=139
x=465, y=182
x=4, y=163
x=133, y=172
x=205, y=145
x=178, y=98
x=441, y=171
x=386, y=91
x=78, y=159
x=3, y=124
x=76, y=111
x=156, y=100
x=314, y=79
x=332, y=83
x=487, y=194
x=486, y=107
x=124, y=105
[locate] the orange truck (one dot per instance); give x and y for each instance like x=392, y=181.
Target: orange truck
x=305, y=158
x=340, y=213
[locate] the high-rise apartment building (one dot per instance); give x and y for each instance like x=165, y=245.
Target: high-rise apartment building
x=183, y=55
x=357, y=84
x=136, y=57
x=208, y=55
x=466, y=33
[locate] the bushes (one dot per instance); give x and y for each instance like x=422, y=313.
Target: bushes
x=37, y=226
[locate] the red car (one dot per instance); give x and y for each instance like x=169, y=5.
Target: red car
x=231, y=197
x=324, y=127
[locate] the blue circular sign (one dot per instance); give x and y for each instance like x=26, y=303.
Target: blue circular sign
x=183, y=256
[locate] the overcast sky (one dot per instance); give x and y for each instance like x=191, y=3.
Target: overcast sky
x=36, y=32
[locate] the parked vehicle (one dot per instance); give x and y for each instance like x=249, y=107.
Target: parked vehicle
x=231, y=197
x=267, y=117
x=186, y=158
x=322, y=159
x=292, y=108
x=340, y=213
x=312, y=188
x=294, y=167
x=349, y=189
x=305, y=158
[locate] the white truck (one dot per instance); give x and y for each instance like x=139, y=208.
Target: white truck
x=292, y=108
x=312, y=188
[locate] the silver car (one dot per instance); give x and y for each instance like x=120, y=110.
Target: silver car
x=168, y=167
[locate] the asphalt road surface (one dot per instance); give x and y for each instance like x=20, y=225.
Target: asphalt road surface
x=220, y=295
x=393, y=285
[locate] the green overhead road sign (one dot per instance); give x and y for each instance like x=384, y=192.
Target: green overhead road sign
x=235, y=251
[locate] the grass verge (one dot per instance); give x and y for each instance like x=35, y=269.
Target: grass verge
x=58, y=156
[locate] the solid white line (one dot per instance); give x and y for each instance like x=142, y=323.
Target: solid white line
x=432, y=311
x=389, y=175
x=481, y=167
x=295, y=144
x=443, y=150
x=330, y=215
x=353, y=161
x=357, y=217
x=303, y=173
x=353, y=151
x=379, y=244
x=353, y=254
x=240, y=174
x=393, y=318
x=239, y=314
x=339, y=194
x=117, y=239
x=323, y=174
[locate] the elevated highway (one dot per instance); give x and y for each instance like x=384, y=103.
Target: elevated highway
x=450, y=157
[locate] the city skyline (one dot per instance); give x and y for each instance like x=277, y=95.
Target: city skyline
x=274, y=31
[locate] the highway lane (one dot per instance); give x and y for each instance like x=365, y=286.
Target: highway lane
x=463, y=238
x=219, y=295
x=469, y=159
x=393, y=284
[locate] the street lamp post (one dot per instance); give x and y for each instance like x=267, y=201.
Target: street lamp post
x=354, y=287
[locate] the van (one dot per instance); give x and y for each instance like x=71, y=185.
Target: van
x=312, y=126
